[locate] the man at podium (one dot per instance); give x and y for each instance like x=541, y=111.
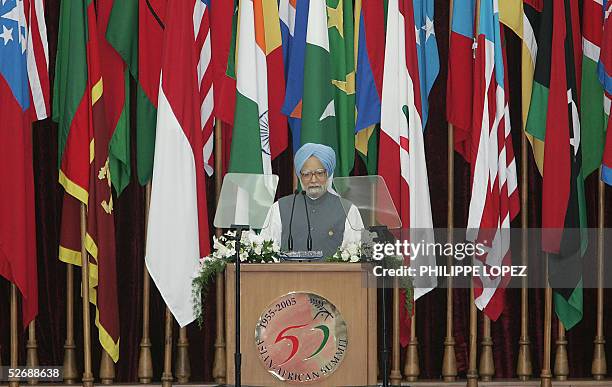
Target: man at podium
x=317, y=207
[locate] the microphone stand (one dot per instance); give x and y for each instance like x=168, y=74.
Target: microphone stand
x=290, y=238
x=237, y=354
x=309, y=239
x=383, y=236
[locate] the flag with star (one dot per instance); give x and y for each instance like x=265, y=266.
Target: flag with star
x=427, y=50
x=24, y=97
x=328, y=107
x=83, y=141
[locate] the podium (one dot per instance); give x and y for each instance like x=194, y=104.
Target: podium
x=342, y=284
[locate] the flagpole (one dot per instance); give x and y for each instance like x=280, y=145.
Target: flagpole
x=545, y=375
x=472, y=371
x=411, y=369
x=14, y=335
x=396, y=376
x=145, y=361
x=167, y=374
x=107, y=368
x=87, y=371
x=449, y=361
x=523, y=368
x=70, y=370
x=183, y=369
x=219, y=362
x=598, y=367
x=487, y=367
x=561, y=364
x=32, y=349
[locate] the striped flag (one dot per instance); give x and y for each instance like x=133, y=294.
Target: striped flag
x=370, y=55
x=260, y=131
x=494, y=200
x=604, y=69
x=294, y=46
x=177, y=234
x=84, y=136
x=24, y=97
x=459, y=92
x=402, y=153
x=38, y=58
x=523, y=17
x=202, y=33
x=592, y=115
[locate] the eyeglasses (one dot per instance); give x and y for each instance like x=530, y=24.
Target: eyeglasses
x=319, y=173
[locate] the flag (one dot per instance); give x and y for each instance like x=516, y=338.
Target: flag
x=177, y=231
x=224, y=21
x=523, y=17
x=294, y=49
x=135, y=30
x=370, y=54
x=117, y=87
x=563, y=201
x=260, y=131
x=604, y=70
x=84, y=136
x=592, y=115
x=402, y=154
x=459, y=85
x=24, y=97
x=494, y=198
x=427, y=50
x=328, y=106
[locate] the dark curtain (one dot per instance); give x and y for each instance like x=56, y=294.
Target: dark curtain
x=129, y=219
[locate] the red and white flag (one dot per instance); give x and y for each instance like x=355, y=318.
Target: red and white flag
x=178, y=223
x=494, y=201
x=402, y=153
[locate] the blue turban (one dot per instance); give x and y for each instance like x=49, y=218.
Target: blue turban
x=325, y=154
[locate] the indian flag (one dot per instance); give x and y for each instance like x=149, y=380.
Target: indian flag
x=258, y=36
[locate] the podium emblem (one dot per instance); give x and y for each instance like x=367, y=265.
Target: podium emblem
x=301, y=337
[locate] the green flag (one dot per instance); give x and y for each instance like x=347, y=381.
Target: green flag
x=135, y=30
x=328, y=107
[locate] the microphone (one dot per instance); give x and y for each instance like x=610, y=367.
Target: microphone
x=290, y=239
x=309, y=240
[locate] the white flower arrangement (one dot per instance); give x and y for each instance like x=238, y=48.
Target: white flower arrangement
x=253, y=249
x=351, y=252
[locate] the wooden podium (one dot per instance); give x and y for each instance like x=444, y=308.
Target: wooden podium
x=340, y=283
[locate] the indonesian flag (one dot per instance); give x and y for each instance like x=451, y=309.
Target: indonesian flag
x=402, y=154
x=494, y=202
x=178, y=224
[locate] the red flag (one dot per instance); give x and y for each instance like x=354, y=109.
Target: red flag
x=24, y=97
x=85, y=172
